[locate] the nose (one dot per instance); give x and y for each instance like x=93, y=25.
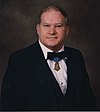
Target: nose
x=52, y=30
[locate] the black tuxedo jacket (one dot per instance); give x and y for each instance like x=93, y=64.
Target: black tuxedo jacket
x=30, y=85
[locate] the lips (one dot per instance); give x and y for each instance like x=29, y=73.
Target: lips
x=52, y=37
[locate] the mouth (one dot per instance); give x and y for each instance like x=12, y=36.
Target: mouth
x=52, y=37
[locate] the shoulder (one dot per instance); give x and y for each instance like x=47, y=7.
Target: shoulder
x=75, y=56
x=24, y=52
x=73, y=52
x=24, y=55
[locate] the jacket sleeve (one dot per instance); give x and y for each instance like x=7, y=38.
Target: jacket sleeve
x=11, y=85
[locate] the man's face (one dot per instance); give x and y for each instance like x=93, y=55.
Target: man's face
x=52, y=29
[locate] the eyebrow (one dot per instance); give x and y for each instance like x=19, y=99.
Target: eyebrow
x=54, y=23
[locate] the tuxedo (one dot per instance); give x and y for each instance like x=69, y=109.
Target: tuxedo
x=29, y=83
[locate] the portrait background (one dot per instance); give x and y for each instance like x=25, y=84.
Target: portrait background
x=17, y=30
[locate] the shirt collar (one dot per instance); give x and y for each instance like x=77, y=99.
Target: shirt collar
x=45, y=49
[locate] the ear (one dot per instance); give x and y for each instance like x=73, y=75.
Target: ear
x=38, y=28
x=67, y=30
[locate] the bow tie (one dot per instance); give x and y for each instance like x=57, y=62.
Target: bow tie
x=56, y=56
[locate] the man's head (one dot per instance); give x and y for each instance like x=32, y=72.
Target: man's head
x=53, y=27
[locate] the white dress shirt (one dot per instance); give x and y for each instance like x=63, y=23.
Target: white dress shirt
x=61, y=75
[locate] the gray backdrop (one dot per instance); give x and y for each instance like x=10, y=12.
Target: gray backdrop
x=17, y=30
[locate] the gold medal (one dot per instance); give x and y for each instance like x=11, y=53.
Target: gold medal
x=57, y=67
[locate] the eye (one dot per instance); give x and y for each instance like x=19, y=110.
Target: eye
x=46, y=25
x=59, y=25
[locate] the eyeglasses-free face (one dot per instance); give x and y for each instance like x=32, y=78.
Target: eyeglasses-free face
x=52, y=29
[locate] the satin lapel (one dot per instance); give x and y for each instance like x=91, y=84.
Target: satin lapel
x=70, y=79
x=71, y=69
x=43, y=72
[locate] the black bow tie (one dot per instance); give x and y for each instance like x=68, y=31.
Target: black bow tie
x=56, y=56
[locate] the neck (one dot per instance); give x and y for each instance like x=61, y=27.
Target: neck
x=57, y=49
x=54, y=49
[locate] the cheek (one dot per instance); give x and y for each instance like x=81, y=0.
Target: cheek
x=42, y=35
x=42, y=32
x=62, y=34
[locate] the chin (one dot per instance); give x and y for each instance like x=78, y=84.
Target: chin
x=53, y=47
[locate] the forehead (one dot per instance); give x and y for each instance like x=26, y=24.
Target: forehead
x=52, y=15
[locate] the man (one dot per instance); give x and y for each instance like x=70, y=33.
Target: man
x=37, y=80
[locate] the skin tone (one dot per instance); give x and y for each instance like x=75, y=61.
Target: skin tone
x=52, y=29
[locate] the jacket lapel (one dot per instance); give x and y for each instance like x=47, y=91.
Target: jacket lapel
x=73, y=77
x=43, y=73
